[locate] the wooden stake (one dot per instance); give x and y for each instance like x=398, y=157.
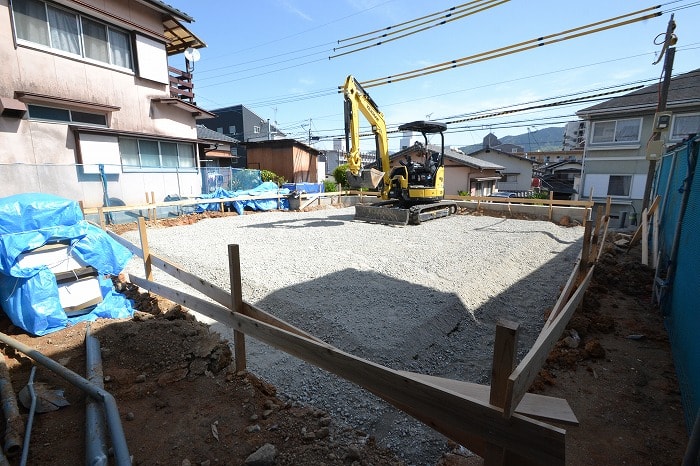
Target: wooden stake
x=504, y=352
x=146, y=250
x=101, y=215
x=234, y=265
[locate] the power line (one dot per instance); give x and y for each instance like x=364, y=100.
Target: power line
x=483, y=5
x=517, y=48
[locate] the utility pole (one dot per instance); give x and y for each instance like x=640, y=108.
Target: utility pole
x=669, y=47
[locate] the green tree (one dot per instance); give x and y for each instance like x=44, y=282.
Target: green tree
x=340, y=175
x=268, y=175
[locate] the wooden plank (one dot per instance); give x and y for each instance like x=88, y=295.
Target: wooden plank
x=208, y=289
x=234, y=266
x=544, y=408
x=566, y=292
x=602, y=241
x=504, y=352
x=503, y=363
x=456, y=416
x=523, y=375
x=638, y=232
x=586, y=250
x=146, y=251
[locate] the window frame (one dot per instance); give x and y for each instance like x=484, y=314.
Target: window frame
x=630, y=179
x=615, y=133
x=82, y=55
x=673, y=136
x=186, y=163
x=70, y=119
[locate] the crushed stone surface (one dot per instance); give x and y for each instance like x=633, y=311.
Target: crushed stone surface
x=423, y=298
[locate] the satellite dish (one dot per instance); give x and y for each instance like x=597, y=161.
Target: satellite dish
x=191, y=54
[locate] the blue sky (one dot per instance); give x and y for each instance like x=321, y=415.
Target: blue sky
x=273, y=57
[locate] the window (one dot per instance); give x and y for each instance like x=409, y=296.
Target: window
x=256, y=129
x=232, y=130
x=42, y=23
x=616, y=131
x=39, y=112
x=619, y=185
x=152, y=154
x=683, y=125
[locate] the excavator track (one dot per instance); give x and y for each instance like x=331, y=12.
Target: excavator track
x=389, y=213
x=424, y=212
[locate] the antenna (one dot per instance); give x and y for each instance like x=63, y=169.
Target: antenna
x=191, y=56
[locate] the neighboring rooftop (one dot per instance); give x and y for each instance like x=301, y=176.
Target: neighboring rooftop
x=683, y=90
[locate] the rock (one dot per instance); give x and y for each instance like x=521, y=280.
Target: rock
x=264, y=456
x=594, y=349
x=267, y=413
x=141, y=378
x=323, y=432
x=253, y=429
x=353, y=453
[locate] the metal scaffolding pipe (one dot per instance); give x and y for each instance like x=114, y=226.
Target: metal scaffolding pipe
x=14, y=425
x=95, y=439
x=116, y=431
x=30, y=420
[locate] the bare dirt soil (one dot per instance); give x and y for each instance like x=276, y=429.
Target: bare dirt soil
x=181, y=403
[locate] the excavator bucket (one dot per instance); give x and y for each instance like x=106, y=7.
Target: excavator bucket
x=384, y=214
x=368, y=179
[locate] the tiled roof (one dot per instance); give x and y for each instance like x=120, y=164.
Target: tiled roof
x=684, y=90
x=210, y=135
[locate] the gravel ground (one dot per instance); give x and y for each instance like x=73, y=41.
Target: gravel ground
x=422, y=298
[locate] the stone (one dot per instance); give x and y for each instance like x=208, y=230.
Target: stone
x=263, y=456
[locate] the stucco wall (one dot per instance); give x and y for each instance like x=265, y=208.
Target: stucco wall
x=27, y=145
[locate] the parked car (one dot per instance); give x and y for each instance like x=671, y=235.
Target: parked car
x=503, y=194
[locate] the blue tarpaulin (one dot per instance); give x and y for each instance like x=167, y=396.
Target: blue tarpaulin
x=268, y=187
x=29, y=295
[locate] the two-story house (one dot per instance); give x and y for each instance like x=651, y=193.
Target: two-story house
x=243, y=124
x=516, y=175
x=618, y=130
x=87, y=108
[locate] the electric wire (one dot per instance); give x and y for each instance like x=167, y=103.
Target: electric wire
x=410, y=21
x=487, y=4
x=515, y=48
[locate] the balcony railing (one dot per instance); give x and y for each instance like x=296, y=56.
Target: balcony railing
x=181, y=85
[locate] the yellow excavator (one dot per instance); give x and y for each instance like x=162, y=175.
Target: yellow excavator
x=411, y=192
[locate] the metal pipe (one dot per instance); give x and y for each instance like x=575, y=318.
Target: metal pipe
x=30, y=420
x=14, y=425
x=116, y=431
x=95, y=440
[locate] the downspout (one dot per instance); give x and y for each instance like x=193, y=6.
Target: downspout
x=105, y=195
x=116, y=431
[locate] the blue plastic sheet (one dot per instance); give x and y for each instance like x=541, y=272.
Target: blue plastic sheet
x=29, y=295
x=268, y=187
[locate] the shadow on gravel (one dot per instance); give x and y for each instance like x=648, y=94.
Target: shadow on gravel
x=329, y=221
x=493, y=228
x=404, y=326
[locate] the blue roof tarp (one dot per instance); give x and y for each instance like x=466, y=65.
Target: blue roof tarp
x=29, y=295
x=267, y=187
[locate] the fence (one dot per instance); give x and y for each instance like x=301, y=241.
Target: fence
x=496, y=421
x=110, y=186
x=677, y=281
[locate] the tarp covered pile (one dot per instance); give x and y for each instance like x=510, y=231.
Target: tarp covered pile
x=29, y=295
x=262, y=203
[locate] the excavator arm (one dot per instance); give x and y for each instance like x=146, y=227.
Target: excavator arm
x=357, y=102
